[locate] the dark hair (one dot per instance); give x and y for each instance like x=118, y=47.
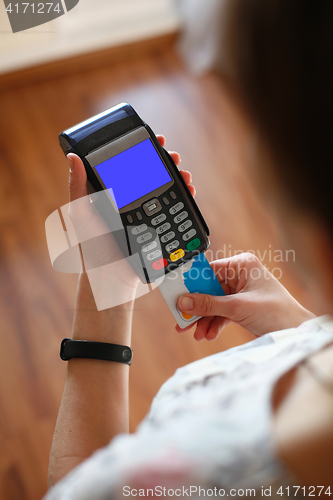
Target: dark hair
x=279, y=57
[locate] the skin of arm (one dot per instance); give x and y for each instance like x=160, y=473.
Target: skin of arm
x=94, y=406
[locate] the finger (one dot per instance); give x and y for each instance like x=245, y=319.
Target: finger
x=215, y=327
x=187, y=176
x=227, y=274
x=235, y=271
x=77, y=177
x=161, y=140
x=192, y=190
x=202, y=328
x=186, y=329
x=205, y=305
x=175, y=156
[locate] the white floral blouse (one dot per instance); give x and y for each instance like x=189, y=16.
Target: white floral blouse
x=208, y=431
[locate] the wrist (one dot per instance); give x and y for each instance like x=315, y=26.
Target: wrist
x=110, y=325
x=104, y=326
x=294, y=317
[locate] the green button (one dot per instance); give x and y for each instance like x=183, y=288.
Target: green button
x=192, y=245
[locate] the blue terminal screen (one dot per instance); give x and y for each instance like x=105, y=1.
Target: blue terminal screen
x=133, y=173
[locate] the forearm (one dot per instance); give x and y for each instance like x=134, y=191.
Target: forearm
x=94, y=406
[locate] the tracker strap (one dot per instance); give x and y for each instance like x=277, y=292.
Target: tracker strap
x=95, y=350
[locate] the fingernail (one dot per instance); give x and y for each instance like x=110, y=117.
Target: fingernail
x=71, y=163
x=186, y=304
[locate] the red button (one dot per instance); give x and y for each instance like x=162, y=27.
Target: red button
x=159, y=264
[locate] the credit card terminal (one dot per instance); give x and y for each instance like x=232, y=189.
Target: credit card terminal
x=163, y=227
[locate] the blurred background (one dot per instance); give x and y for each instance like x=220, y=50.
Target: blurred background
x=157, y=55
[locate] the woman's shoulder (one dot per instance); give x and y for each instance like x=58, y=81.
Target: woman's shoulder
x=303, y=416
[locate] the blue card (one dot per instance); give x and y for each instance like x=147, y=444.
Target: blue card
x=195, y=276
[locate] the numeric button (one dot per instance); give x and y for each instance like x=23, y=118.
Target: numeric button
x=184, y=226
x=171, y=246
x=176, y=208
x=163, y=228
x=139, y=229
x=168, y=237
x=157, y=220
x=180, y=217
x=145, y=237
x=149, y=246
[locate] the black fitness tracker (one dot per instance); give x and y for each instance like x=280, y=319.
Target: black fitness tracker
x=95, y=350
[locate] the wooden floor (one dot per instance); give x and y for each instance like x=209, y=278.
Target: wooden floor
x=36, y=307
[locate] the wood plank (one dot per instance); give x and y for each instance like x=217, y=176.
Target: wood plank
x=85, y=62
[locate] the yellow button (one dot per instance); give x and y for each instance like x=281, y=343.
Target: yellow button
x=177, y=254
x=187, y=316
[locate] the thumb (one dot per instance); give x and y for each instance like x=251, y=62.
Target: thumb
x=77, y=177
x=200, y=304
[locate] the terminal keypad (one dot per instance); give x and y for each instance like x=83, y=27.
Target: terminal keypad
x=166, y=233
